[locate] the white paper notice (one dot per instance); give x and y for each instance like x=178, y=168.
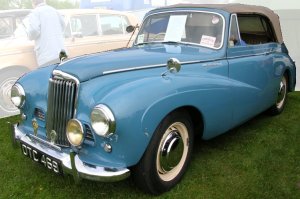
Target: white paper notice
x=140, y=38
x=176, y=27
x=207, y=41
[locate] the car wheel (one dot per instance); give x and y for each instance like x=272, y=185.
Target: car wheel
x=7, y=80
x=167, y=156
x=278, y=107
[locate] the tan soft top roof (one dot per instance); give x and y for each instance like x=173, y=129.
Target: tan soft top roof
x=241, y=8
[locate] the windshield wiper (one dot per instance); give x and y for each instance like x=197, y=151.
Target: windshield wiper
x=171, y=42
x=143, y=43
x=160, y=42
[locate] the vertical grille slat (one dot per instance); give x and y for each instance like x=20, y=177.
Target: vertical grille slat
x=59, y=115
x=65, y=109
x=61, y=108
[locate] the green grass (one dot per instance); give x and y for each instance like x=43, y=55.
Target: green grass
x=260, y=159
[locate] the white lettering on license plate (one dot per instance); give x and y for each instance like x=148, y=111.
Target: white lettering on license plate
x=41, y=158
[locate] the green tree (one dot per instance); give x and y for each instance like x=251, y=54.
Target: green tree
x=19, y=4
x=65, y=4
x=4, y=4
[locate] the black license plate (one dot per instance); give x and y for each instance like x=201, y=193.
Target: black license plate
x=37, y=156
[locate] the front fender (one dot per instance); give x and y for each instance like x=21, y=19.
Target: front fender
x=140, y=105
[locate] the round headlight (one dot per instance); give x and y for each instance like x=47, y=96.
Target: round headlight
x=75, y=132
x=17, y=95
x=103, y=120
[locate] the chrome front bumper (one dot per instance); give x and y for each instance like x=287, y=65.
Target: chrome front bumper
x=71, y=164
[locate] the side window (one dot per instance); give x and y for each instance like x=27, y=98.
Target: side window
x=234, y=36
x=6, y=27
x=113, y=24
x=85, y=25
x=67, y=32
x=256, y=29
x=19, y=29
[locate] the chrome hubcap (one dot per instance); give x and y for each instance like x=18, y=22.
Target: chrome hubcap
x=281, y=93
x=172, y=152
x=5, y=89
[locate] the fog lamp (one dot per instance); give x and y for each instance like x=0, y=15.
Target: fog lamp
x=75, y=132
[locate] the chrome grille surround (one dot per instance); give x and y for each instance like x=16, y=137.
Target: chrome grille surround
x=62, y=103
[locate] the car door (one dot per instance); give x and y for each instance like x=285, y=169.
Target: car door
x=82, y=34
x=113, y=31
x=251, y=67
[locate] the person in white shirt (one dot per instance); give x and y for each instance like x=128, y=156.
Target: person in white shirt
x=45, y=26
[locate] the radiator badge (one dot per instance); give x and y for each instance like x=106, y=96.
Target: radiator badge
x=35, y=126
x=53, y=136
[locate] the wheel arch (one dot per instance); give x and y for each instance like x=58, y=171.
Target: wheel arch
x=289, y=77
x=9, y=68
x=196, y=118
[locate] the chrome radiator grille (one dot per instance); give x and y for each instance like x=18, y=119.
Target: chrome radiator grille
x=62, y=96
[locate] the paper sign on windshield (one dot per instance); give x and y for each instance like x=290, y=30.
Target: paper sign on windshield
x=140, y=38
x=176, y=27
x=207, y=41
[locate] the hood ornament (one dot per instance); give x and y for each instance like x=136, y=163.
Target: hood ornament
x=35, y=126
x=173, y=66
x=53, y=136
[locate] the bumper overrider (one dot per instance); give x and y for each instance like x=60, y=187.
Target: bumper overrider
x=70, y=162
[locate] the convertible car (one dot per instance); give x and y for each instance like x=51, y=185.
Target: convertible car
x=193, y=69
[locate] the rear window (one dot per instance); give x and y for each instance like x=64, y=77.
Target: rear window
x=113, y=24
x=256, y=29
x=85, y=25
x=6, y=27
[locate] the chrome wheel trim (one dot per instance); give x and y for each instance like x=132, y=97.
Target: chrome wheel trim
x=5, y=90
x=172, y=151
x=281, y=93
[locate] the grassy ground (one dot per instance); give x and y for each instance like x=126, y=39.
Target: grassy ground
x=260, y=159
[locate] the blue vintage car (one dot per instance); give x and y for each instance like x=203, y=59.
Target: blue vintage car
x=193, y=69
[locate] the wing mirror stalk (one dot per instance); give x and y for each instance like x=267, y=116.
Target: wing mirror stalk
x=132, y=29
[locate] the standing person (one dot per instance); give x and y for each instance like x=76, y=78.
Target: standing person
x=45, y=26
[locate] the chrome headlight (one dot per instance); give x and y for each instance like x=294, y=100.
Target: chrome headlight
x=17, y=95
x=75, y=132
x=103, y=120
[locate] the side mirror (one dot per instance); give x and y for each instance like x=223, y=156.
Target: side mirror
x=173, y=65
x=130, y=28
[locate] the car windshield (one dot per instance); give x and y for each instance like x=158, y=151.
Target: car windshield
x=201, y=28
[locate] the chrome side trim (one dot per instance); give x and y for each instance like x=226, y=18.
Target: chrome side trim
x=133, y=68
x=71, y=163
x=250, y=55
x=157, y=66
